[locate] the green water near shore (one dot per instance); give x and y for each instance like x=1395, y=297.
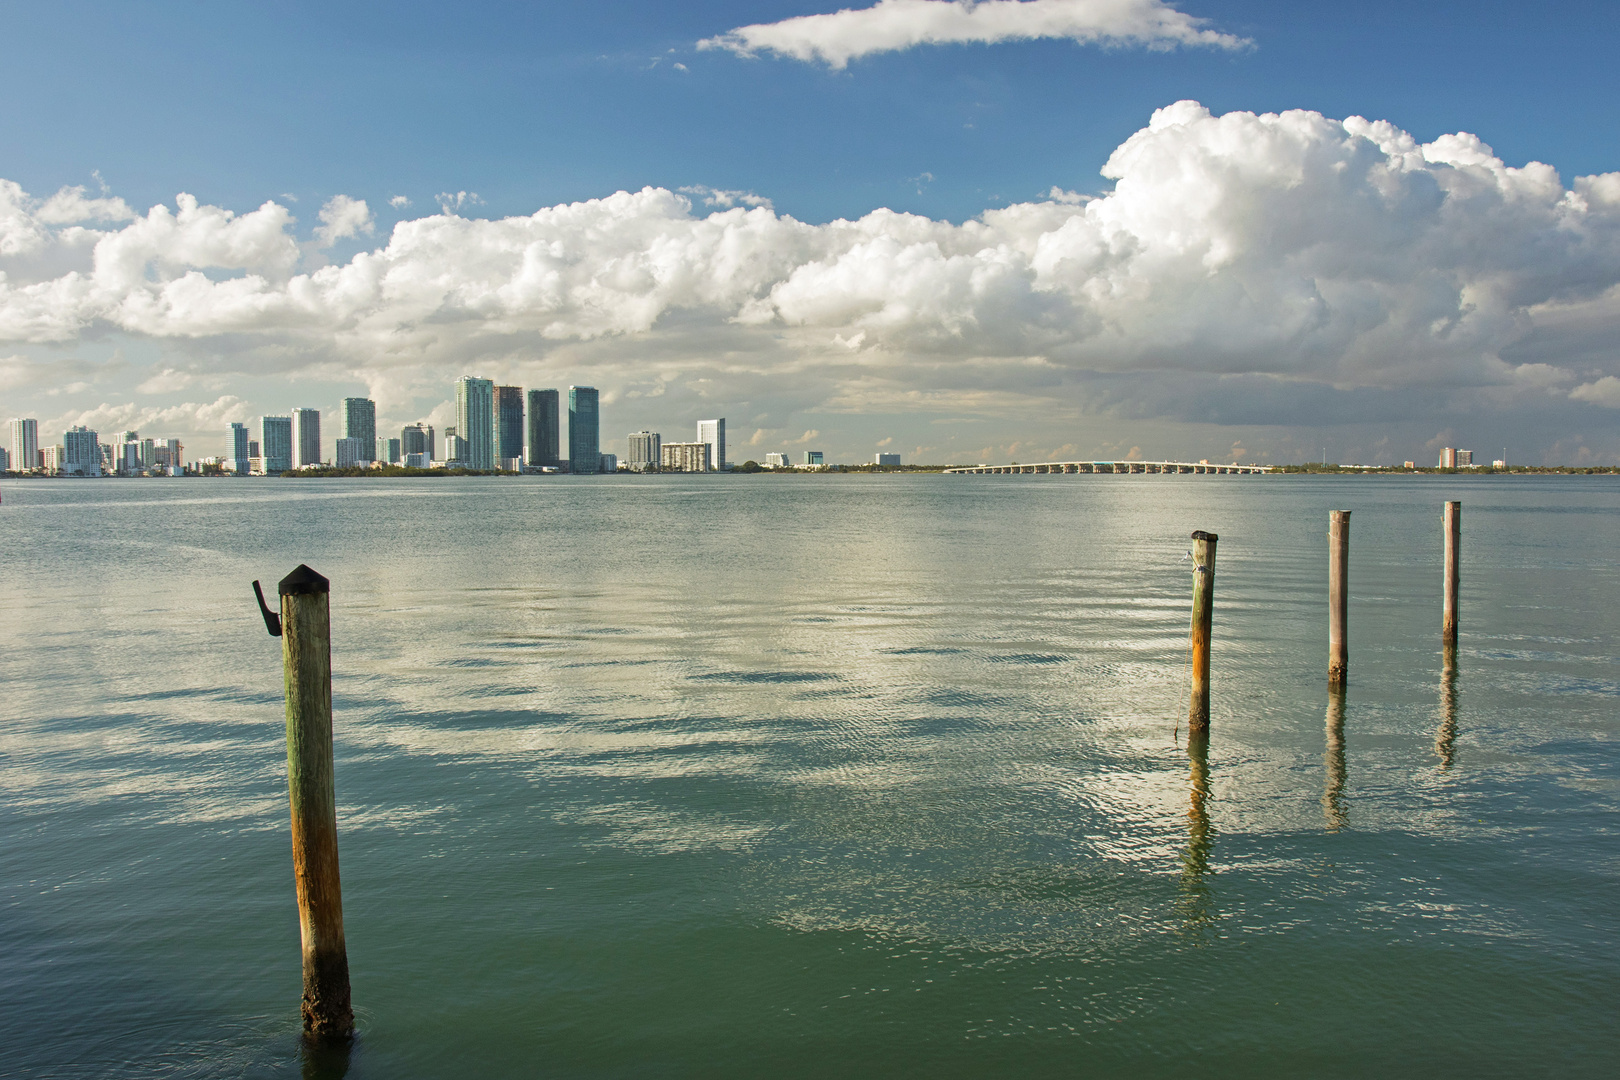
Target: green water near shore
x=707, y=776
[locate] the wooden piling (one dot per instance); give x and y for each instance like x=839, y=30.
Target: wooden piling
x=306, y=650
x=1203, y=614
x=1338, y=597
x=1452, y=539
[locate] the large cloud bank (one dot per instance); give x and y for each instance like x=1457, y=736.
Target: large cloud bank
x=892, y=25
x=1295, y=247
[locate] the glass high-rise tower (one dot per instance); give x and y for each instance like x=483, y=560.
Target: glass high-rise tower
x=306, y=438
x=236, y=448
x=584, y=431
x=475, y=420
x=508, y=422
x=275, y=443
x=545, y=428
x=360, y=422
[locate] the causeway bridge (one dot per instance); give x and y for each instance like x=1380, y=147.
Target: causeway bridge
x=1190, y=467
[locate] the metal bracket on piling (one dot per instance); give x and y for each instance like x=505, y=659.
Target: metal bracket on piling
x=272, y=621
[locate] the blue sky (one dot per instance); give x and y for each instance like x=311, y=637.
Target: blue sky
x=527, y=106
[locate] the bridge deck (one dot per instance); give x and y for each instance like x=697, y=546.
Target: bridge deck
x=1189, y=467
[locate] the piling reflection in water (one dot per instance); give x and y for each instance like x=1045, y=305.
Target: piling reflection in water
x=324, y=1059
x=1196, y=906
x=1333, y=764
x=1445, y=739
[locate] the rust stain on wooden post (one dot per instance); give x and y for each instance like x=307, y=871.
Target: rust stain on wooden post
x=306, y=649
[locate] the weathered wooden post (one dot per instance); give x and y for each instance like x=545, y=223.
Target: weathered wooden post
x=1203, y=614
x=306, y=651
x=1338, y=597
x=1453, y=544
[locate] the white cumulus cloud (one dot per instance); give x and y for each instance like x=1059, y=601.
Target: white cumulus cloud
x=1604, y=391
x=838, y=37
x=341, y=218
x=1243, y=268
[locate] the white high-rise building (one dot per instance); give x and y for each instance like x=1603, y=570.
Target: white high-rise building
x=774, y=460
x=644, y=451
x=713, y=432
x=25, y=445
x=81, y=452
x=475, y=420
x=685, y=457
x=306, y=438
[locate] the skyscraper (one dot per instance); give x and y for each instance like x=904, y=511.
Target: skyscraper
x=713, y=432
x=584, y=430
x=644, y=450
x=81, y=452
x=544, y=428
x=360, y=422
x=413, y=439
x=275, y=440
x=24, y=445
x=475, y=420
x=508, y=422
x=236, y=449
x=351, y=452
x=306, y=438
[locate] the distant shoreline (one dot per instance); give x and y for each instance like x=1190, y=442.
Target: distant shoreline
x=394, y=473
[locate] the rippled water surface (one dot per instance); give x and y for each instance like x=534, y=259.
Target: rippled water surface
x=815, y=776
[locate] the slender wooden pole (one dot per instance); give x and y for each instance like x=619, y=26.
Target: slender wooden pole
x=306, y=651
x=1203, y=614
x=1452, y=538
x=1338, y=597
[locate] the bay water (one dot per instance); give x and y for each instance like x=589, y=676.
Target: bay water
x=740, y=776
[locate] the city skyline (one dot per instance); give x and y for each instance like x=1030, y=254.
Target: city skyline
x=516, y=425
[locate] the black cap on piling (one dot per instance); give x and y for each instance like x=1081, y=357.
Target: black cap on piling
x=303, y=582
x=1199, y=535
